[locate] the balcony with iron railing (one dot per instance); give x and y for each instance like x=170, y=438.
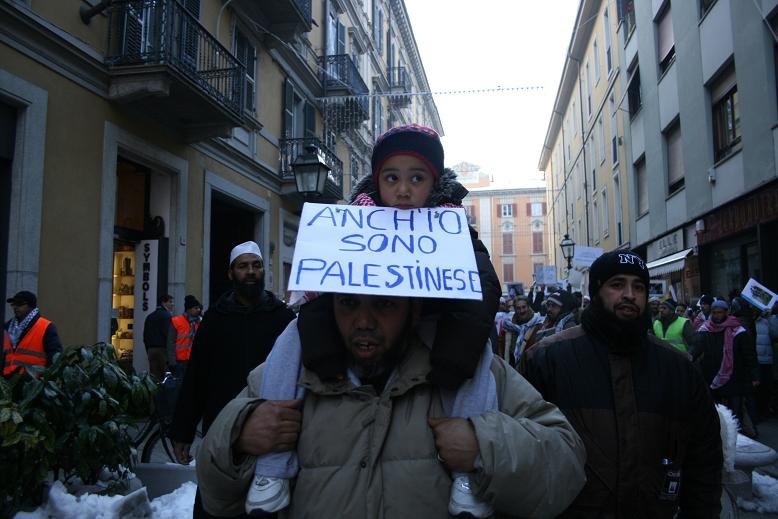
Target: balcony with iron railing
x=163, y=63
x=290, y=149
x=283, y=18
x=347, y=95
x=399, y=86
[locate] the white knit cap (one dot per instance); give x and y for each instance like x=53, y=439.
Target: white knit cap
x=248, y=247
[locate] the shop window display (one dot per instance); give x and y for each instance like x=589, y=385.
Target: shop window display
x=123, y=302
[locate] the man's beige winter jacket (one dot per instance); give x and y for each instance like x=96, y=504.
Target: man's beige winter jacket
x=364, y=455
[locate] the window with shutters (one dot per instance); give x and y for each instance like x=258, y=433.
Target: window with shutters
x=299, y=114
x=537, y=242
x=614, y=131
x=507, y=272
x=607, y=30
x=634, y=96
x=665, y=40
x=726, y=114
x=536, y=209
x=246, y=54
x=588, y=92
x=507, y=242
x=674, y=147
x=641, y=183
x=378, y=117
x=378, y=26
x=605, y=217
x=506, y=210
x=601, y=136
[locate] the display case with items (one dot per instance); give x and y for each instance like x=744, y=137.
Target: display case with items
x=123, y=301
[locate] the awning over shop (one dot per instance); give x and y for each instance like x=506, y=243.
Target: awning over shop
x=668, y=264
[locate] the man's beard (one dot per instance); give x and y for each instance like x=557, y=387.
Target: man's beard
x=621, y=335
x=250, y=291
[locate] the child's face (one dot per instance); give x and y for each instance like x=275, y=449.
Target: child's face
x=404, y=182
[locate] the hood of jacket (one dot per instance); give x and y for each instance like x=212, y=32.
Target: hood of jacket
x=447, y=190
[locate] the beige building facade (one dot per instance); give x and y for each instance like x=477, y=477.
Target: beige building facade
x=512, y=223
x=140, y=140
x=583, y=156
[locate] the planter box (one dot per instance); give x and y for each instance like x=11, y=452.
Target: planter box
x=163, y=478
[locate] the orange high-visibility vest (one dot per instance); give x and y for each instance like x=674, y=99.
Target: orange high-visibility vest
x=184, y=336
x=29, y=351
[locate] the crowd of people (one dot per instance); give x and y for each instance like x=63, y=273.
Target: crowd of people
x=711, y=332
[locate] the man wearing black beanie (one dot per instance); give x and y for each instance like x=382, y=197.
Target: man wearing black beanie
x=643, y=411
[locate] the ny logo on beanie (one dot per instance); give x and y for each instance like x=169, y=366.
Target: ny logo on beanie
x=631, y=259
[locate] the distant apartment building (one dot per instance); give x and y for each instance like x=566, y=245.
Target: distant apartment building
x=701, y=140
x=142, y=139
x=512, y=223
x=583, y=157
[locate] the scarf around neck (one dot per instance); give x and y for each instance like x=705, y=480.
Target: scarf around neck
x=731, y=327
x=16, y=328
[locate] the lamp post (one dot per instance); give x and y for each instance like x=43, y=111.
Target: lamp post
x=310, y=172
x=568, y=250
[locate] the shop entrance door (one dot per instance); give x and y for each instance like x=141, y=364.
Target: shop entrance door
x=231, y=223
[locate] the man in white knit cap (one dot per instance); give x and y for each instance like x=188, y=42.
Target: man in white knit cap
x=235, y=336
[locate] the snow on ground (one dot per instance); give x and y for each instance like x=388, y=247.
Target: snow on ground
x=765, y=491
x=62, y=505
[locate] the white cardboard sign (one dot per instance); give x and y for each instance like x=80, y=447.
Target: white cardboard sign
x=759, y=295
x=425, y=252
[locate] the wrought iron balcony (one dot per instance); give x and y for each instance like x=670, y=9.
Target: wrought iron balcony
x=283, y=18
x=399, y=86
x=348, y=100
x=290, y=149
x=164, y=63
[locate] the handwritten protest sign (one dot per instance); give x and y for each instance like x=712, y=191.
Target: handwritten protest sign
x=425, y=252
x=759, y=295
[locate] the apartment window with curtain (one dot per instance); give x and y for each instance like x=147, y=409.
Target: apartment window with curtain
x=665, y=39
x=604, y=207
x=674, y=146
x=536, y=209
x=634, y=97
x=641, y=183
x=627, y=15
x=607, y=30
x=507, y=242
x=247, y=56
x=537, y=242
x=726, y=114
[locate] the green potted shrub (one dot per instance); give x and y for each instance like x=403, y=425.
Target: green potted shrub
x=70, y=423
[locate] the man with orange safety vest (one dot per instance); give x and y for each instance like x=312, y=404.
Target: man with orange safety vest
x=29, y=339
x=182, y=331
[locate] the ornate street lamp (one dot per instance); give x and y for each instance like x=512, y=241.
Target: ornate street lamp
x=310, y=172
x=568, y=250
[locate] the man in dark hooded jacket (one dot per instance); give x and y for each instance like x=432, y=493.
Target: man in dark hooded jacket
x=643, y=410
x=235, y=336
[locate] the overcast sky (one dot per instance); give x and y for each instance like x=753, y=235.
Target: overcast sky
x=486, y=44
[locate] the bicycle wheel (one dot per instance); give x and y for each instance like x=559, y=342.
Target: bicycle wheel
x=158, y=448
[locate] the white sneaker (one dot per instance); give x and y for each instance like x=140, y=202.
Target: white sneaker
x=463, y=502
x=267, y=494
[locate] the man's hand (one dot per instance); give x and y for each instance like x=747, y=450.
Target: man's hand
x=181, y=451
x=456, y=443
x=273, y=426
